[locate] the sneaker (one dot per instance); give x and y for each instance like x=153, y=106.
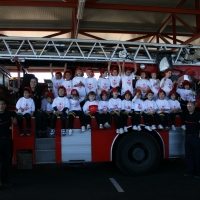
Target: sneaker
x=52, y=132
x=28, y=132
x=196, y=176
x=188, y=174
x=167, y=128
x=21, y=132
x=82, y=128
x=148, y=128
x=63, y=132
x=107, y=125
x=153, y=127
x=70, y=131
x=135, y=127
x=121, y=130
x=160, y=126
x=183, y=127
x=139, y=128
x=117, y=131
x=100, y=126
x=88, y=126
x=173, y=128
x=125, y=129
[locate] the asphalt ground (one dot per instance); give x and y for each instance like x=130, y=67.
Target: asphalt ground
x=101, y=181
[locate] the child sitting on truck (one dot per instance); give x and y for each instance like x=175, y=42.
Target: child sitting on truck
x=60, y=106
x=25, y=107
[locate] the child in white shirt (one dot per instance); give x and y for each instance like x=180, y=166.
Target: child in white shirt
x=67, y=83
x=162, y=115
x=79, y=83
x=75, y=110
x=138, y=107
x=25, y=107
x=150, y=109
x=103, y=83
x=175, y=109
x=56, y=80
x=91, y=81
x=104, y=109
x=155, y=84
x=90, y=109
x=186, y=94
x=127, y=109
x=60, y=106
x=115, y=106
x=127, y=77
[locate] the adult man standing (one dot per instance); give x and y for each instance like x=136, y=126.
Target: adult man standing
x=192, y=140
x=5, y=142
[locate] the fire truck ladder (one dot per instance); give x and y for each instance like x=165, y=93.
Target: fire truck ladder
x=94, y=50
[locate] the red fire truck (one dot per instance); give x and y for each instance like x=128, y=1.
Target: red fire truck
x=133, y=152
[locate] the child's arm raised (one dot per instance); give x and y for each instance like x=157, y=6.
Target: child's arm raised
x=135, y=67
x=123, y=63
x=109, y=63
x=118, y=63
x=51, y=69
x=65, y=67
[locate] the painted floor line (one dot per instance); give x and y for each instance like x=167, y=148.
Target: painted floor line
x=117, y=186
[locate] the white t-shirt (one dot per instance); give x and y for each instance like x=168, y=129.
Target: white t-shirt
x=74, y=104
x=56, y=83
x=87, y=104
x=144, y=84
x=168, y=86
x=91, y=85
x=138, y=105
x=61, y=103
x=49, y=107
x=81, y=89
x=150, y=106
x=185, y=94
x=115, y=104
x=174, y=104
x=127, y=83
x=68, y=86
x=27, y=104
x=103, y=83
x=114, y=81
x=103, y=105
x=155, y=87
x=162, y=104
x=127, y=105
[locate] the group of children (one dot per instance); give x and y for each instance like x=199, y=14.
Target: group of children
x=153, y=99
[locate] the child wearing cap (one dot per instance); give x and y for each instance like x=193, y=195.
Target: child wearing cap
x=138, y=107
x=186, y=94
x=114, y=75
x=143, y=84
x=56, y=80
x=155, y=84
x=115, y=106
x=44, y=100
x=150, y=109
x=67, y=83
x=60, y=105
x=175, y=109
x=91, y=81
x=79, y=83
x=75, y=110
x=166, y=84
x=104, y=110
x=127, y=77
x=126, y=109
x=90, y=109
x=103, y=83
x=162, y=115
x=25, y=107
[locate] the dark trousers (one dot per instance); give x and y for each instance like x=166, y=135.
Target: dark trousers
x=173, y=117
x=96, y=115
x=46, y=120
x=63, y=118
x=183, y=104
x=124, y=118
x=106, y=117
x=148, y=119
x=192, y=153
x=118, y=120
x=162, y=118
x=5, y=154
x=72, y=115
x=27, y=117
x=38, y=120
x=136, y=118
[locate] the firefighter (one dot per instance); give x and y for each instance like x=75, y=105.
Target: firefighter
x=192, y=140
x=5, y=142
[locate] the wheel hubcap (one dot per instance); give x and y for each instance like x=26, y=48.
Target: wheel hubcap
x=138, y=154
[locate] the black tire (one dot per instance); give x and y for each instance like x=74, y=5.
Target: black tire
x=137, y=153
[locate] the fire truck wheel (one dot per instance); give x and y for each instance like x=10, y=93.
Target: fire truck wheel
x=137, y=153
